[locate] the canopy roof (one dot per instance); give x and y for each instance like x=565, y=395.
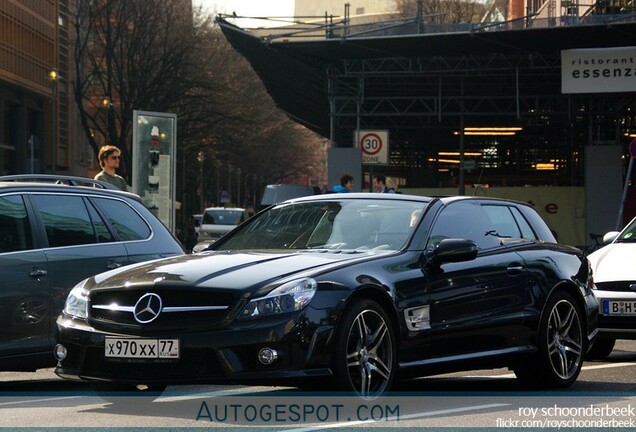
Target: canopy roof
x=296, y=71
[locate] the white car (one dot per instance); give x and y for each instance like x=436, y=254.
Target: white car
x=218, y=221
x=614, y=272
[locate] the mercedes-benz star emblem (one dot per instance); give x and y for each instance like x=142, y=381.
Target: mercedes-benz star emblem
x=147, y=308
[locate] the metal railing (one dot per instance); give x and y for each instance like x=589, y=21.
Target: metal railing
x=342, y=29
x=58, y=179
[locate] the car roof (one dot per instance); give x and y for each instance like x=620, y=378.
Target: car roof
x=224, y=208
x=63, y=184
x=397, y=197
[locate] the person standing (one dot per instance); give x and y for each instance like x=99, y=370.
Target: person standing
x=346, y=183
x=379, y=184
x=190, y=235
x=109, y=157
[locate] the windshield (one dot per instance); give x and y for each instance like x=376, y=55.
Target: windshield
x=222, y=217
x=341, y=224
x=629, y=233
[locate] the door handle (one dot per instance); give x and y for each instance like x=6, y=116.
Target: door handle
x=36, y=273
x=514, y=270
x=113, y=265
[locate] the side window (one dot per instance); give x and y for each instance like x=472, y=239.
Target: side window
x=524, y=226
x=502, y=221
x=65, y=219
x=126, y=221
x=464, y=220
x=15, y=230
x=508, y=222
x=103, y=234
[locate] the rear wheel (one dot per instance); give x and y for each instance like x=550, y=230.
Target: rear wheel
x=601, y=349
x=365, y=358
x=561, y=346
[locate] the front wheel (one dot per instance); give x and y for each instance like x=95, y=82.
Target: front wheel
x=365, y=357
x=561, y=346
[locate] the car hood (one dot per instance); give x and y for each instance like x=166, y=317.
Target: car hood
x=614, y=262
x=227, y=270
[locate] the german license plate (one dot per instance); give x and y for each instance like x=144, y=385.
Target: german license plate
x=141, y=348
x=619, y=307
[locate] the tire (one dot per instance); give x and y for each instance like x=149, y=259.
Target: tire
x=601, y=349
x=365, y=357
x=116, y=392
x=561, y=346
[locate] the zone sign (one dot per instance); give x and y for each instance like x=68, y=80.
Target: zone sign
x=374, y=145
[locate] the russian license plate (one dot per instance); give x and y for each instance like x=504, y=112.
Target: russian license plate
x=619, y=307
x=141, y=348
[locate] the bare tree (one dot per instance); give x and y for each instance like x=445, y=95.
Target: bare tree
x=159, y=55
x=129, y=55
x=251, y=132
x=444, y=11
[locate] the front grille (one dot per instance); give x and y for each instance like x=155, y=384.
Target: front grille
x=623, y=286
x=113, y=309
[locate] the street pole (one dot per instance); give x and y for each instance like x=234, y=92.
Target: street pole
x=106, y=103
x=238, y=187
x=628, y=177
x=53, y=83
x=201, y=159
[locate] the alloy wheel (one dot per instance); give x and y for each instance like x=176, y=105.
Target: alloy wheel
x=565, y=339
x=369, y=354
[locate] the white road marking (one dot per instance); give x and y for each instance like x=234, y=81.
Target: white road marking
x=512, y=375
x=402, y=417
x=25, y=401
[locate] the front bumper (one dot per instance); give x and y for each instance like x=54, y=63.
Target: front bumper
x=229, y=355
x=612, y=326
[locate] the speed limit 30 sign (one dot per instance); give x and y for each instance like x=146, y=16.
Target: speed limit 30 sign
x=374, y=145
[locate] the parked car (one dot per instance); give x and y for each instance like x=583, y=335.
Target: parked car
x=217, y=221
x=54, y=233
x=275, y=193
x=615, y=277
x=352, y=289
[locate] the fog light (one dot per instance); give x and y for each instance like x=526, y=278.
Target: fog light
x=267, y=356
x=60, y=352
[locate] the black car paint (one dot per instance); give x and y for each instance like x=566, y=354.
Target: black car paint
x=476, y=319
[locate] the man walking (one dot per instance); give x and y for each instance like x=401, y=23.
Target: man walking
x=109, y=157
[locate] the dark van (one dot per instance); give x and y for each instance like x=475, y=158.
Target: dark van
x=276, y=193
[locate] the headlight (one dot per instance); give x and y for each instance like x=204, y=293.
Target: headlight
x=77, y=302
x=290, y=297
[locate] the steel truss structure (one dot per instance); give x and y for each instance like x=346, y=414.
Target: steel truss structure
x=427, y=89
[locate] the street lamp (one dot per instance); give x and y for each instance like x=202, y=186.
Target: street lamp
x=238, y=187
x=53, y=84
x=201, y=159
x=106, y=103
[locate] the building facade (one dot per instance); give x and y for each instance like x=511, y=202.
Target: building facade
x=35, y=87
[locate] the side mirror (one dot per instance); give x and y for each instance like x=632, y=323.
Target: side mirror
x=452, y=250
x=610, y=237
